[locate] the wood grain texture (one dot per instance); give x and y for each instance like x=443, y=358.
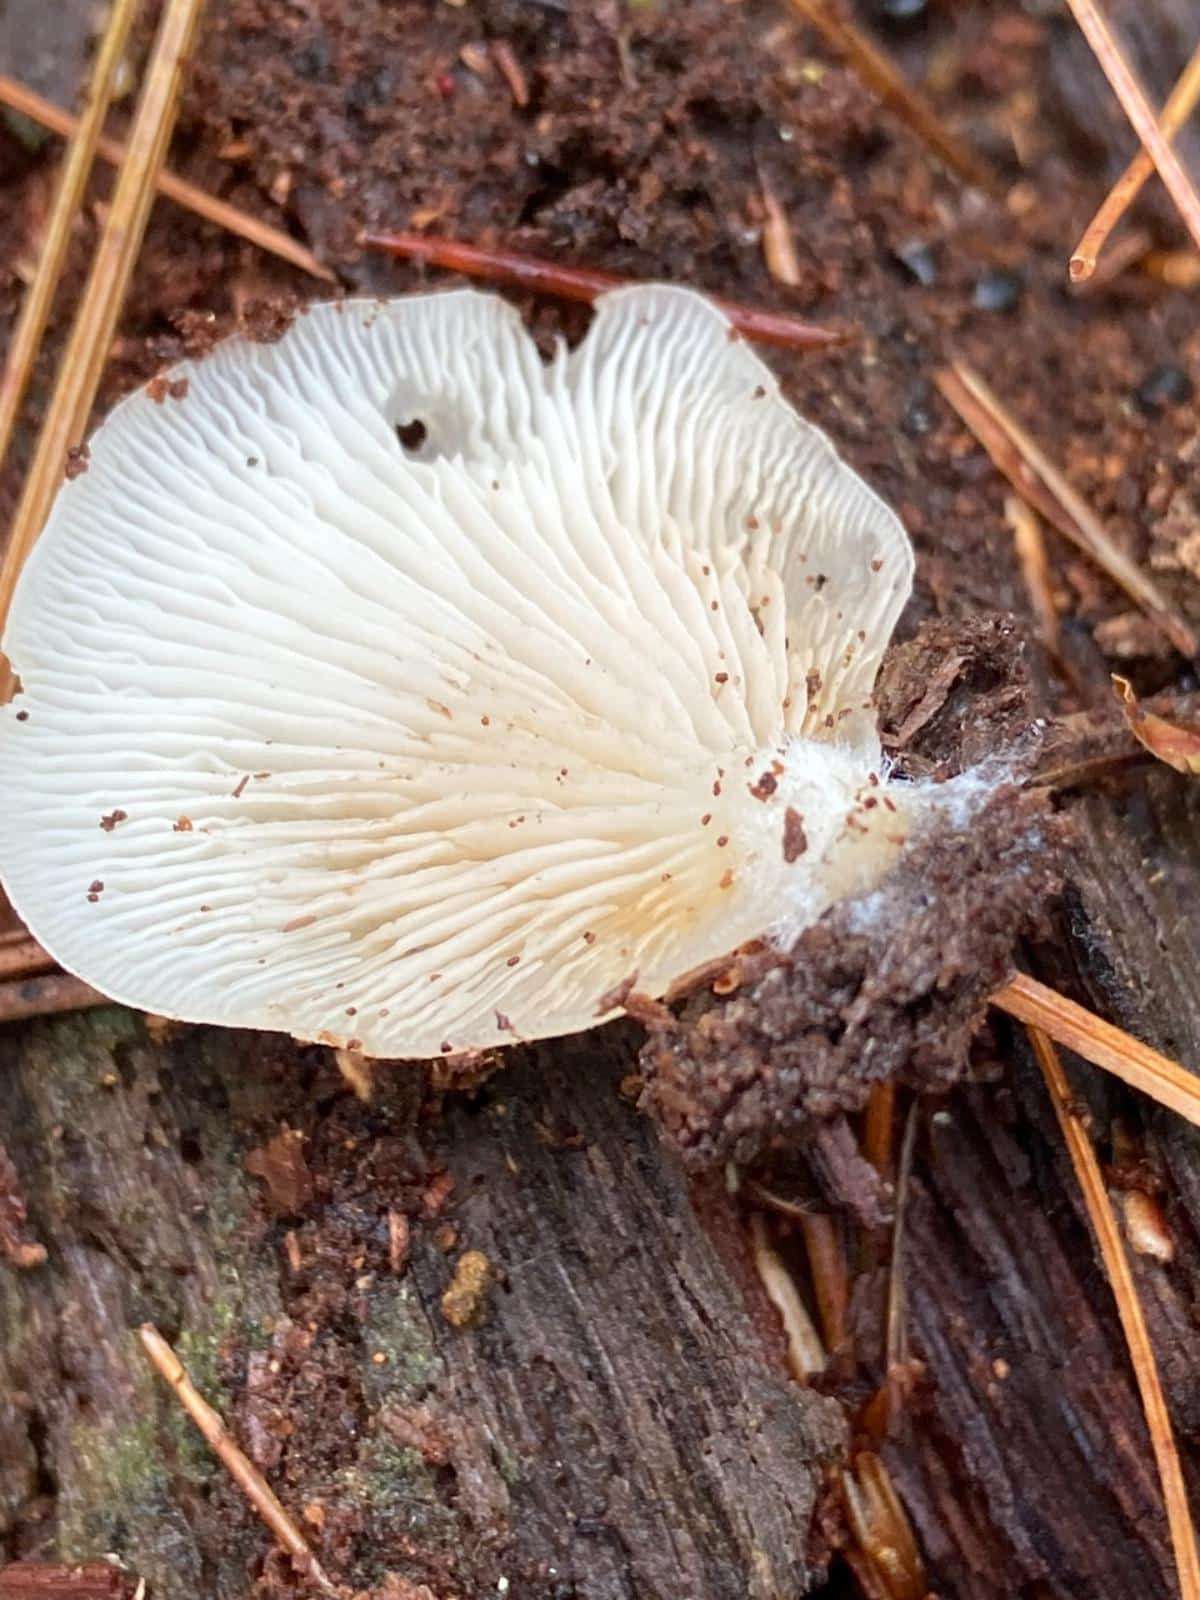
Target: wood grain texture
x=615, y=1422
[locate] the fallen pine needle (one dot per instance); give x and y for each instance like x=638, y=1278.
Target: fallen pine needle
x=77, y=164
x=1097, y=1041
x=1039, y=481
x=1129, y=251
x=881, y=76
x=247, y=1476
x=1129, y=1309
x=112, y=264
x=585, y=283
x=1138, y=109
x=1181, y=102
x=881, y=1527
x=1030, y=546
x=183, y=193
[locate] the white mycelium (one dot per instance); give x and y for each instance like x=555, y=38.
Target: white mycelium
x=427, y=736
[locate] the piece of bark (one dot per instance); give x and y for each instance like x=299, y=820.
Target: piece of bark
x=614, y=1420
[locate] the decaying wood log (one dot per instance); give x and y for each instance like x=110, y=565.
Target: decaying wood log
x=598, y=1413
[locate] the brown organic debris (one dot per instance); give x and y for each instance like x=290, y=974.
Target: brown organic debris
x=44, y=996
x=464, y=1303
x=1176, y=743
x=779, y=247
x=282, y=1167
x=884, y=1536
x=1030, y=546
x=1076, y=1028
x=811, y=1031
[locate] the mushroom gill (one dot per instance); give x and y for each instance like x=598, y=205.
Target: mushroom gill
x=436, y=689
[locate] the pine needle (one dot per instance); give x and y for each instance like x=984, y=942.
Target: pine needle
x=1181, y=102
x=1098, y=32
x=77, y=164
x=1097, y=1041
x=92, y=333
x=244, y=1473
x=1034, y=476
x=1129, y=1309
x=183, y=193
x=585, y=283
x=884, y=79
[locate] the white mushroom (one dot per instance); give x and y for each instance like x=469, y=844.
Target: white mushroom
x=393, y=686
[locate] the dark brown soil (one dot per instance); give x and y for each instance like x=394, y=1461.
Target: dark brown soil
x=642, y=146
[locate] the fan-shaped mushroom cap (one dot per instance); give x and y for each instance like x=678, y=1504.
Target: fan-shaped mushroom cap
x=394, y=686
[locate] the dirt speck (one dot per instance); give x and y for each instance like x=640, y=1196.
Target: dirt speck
x=795, y=840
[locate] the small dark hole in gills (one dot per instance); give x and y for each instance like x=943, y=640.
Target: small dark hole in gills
x=412, y=435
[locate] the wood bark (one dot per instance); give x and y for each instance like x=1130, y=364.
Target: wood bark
x=607, y=1417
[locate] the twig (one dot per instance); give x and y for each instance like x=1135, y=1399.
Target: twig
x=1180, y=104
x=43, y=997
x=881, y=75
x=87, y=348
x=585, y=283
x=1138, y=109
x=77, y=164
x=1035, y=477
x=248, y=1478
x=188, y=195
x=1129, y=1309
x=1097, y=1041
